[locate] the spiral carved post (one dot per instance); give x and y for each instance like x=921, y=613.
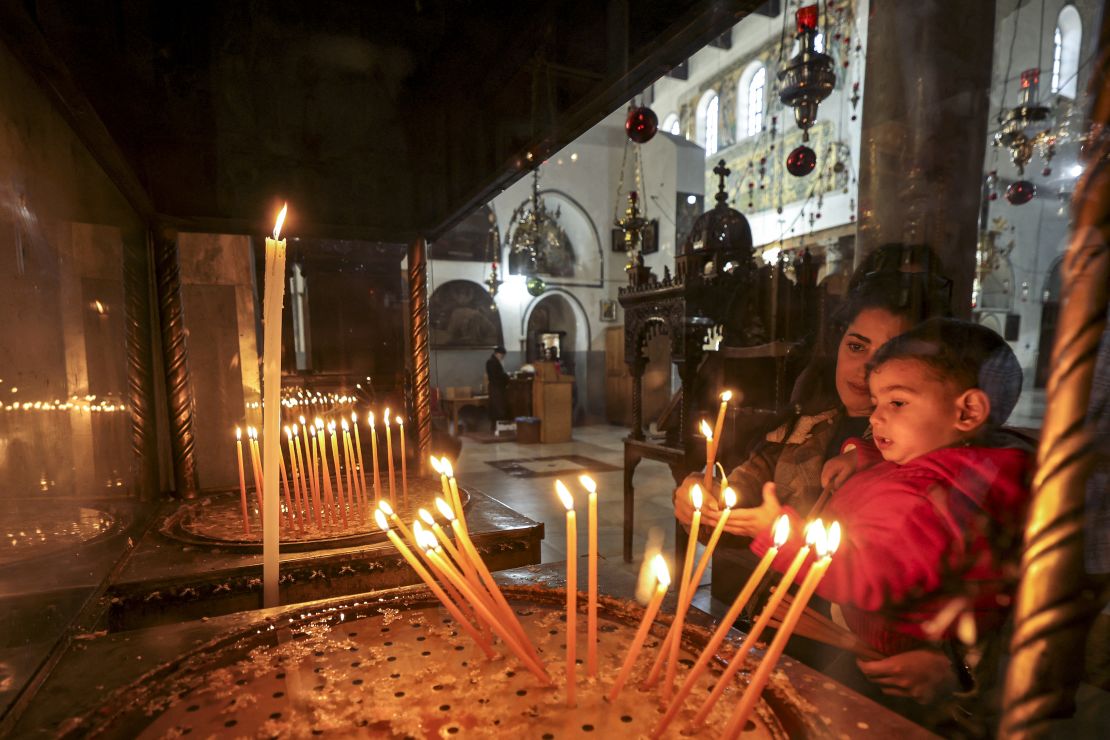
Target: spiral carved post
x=179, y=391
x=421, y=356
x=1057, y=600
x=140, y=370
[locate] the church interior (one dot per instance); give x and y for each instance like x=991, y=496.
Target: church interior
x=497, y=368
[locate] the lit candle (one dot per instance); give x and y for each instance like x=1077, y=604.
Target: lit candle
x=311, y=471
x=718, y=428
x=510, y=640
x=325, y=473
x=404, y=463
x=349, y=468
x=825, y=546
x=374, y=457
x=298, y=497
x=437, y=466
x=273, y=298
x=591, y=566
x=686, y=589
x=781, y=534
x=451, y=607
x=572, y=588
x=361, y=465
x=289, y=516
x=339, y=473
x=389, y=456
x=451, y=549
x=760, y=624
x=460, y=554
x=707, y=480
x=304, y=482
x=662, y=581
x=441, y=535
x=242, y=481
x=453, y=488
x=256, y=464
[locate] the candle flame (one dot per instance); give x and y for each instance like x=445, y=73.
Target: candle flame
x=288, y=432
x=354, y=418
x=446, y=468
x=384, y=506
x=280, y=221
x=832, y=539
x=662, y=573
x=426, y=540
x=588, y=483
x=434, y=462
x=815, y=534
x=370, y=418
x=331, y=427
x=730, y=498
x=564, y=495
x=238, y=433
x=302, y=421
x=696, y=496
x=346, y=426
x=426, y=516
x=296, y=430
x=383, y=523
x=726, y=396
x=399, y=421
x=385, y=416
x=319, y=423
x=705, y=429
x=418, y=531
x=445, y=509
x=781, y=532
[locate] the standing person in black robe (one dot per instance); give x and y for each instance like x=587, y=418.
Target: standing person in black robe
x=498, y=381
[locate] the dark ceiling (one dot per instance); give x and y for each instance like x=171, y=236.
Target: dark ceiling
x=375, y=120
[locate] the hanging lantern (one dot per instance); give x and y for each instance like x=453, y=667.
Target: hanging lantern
x=1020, y=192
x=801, y=161
x=809, y=78
x=532, y=233
x=641, y=124
x=1019, y=132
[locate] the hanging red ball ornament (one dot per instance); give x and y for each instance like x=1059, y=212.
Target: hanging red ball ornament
x=801, y=161
x=1021, y=192
x=641, y=124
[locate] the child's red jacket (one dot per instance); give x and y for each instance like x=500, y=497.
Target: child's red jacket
x=916, y=536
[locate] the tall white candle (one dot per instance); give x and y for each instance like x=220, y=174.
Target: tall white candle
x=271, y=407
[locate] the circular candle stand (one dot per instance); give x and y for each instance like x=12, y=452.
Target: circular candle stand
x=216, y=521
x=37, y=529
x=399, y=667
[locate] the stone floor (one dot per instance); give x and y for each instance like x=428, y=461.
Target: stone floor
x=535, y=497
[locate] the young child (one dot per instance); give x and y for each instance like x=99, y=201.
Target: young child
x=939, y=516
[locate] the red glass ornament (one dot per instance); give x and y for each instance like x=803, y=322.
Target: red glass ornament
x=806, y=18
x=801, y=161
x=1021, y=192
x=641, y=124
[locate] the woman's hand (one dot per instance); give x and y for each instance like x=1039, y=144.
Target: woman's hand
x=925, y=676
x=683, y=508
x=838, y=469
x=749, y=522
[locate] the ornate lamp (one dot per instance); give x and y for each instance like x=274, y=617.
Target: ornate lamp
x=808, y=79
x=493, y=280
x=1021, y=134
x=532, y=230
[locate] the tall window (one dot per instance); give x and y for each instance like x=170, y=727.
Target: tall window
x=756, y=88
x=711, y=126
x=1066, y=38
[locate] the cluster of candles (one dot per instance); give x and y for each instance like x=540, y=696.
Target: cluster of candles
x=89, y=403
x=319, y=493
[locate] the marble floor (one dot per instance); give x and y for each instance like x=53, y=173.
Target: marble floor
x=534, y=496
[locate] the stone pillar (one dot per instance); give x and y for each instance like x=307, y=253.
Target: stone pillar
x=421, y=355
x=179, y=389
x=926, y=107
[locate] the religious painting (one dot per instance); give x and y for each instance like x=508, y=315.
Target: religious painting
x=474, y=239
x=463, y=316
x=608, y=310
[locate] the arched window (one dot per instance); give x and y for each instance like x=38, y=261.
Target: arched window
x=671, y=124
x=1066, y=38
x=711, y=126
x=757, y=86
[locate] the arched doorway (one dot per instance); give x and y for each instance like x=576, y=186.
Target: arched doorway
x=1050, y=314
x=556, y=317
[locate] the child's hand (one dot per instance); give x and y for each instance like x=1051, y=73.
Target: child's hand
x=754, y=521
x=925, y=676
x=838, y=469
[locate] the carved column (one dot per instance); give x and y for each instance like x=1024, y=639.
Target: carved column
x=140, y=367
x=179, y=390
x=421, y=355
x=1057, y=600
x=925, y=115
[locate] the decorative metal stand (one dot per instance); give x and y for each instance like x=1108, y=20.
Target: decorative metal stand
x=1057, y=599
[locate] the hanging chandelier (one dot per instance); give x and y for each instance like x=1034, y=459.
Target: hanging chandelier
x=493, y=280
x=1021, y=134
x=808, y=79
x=533, y=232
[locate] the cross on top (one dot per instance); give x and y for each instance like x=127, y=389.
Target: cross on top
x=722, y=172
